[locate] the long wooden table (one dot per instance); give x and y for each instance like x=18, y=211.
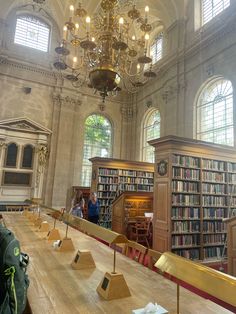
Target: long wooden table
x=55, y=288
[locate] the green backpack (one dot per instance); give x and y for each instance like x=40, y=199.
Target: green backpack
x=13, y=279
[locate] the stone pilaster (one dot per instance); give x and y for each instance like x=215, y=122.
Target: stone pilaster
x=63, y=141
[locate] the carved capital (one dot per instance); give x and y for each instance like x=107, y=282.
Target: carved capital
x=67, y=101
x=128, y=112
x=3, y=144
x=43, y=154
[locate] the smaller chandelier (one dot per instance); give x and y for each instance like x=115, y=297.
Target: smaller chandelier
x=108, y=52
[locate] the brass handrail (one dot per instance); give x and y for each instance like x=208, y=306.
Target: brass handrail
x=211, y=281
x=88, y=227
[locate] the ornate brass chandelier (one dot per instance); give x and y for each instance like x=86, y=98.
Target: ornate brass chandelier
x=108, y=52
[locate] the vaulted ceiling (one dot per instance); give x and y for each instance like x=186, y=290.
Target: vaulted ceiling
x=166, y=11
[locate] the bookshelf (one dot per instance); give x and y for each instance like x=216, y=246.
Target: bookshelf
x=110, y=177
x=193, y=194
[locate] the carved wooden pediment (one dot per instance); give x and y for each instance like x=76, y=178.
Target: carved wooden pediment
x=24, y=125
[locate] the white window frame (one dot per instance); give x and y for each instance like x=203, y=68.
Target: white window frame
x=211, y=8
x=156, y=49
x=94, y=150
x=146, y=148
x=29, y=25
x=217, y=94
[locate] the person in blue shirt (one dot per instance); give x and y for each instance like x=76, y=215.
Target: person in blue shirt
x=93, y=208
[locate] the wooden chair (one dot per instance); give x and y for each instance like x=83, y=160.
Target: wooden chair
x=153, y=257
x=140, y=231
x=135, y=251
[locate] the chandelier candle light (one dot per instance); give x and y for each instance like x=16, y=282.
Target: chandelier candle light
x=104, y=51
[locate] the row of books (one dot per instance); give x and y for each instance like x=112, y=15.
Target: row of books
x=185, y=226
x=130, y=180
x=194, y=162
x=213, y=188
x=191, y=253
x=183, y=240
x=108, y=180
x=233, y=201
x=231, y=167
x=104, y=194
x=182, y=186
x=214, y=213
x=214, y=226
x=107, y=172
x=232, y=178
x=185, y=213
x=134, y=173
x=210, y=200
x=184, y=199
x=186, y=161
x=181, y=173
x=105, y=216
x=213, y=252
x=213, y=176
x=122, y=172
x=103, y=202
x=107, y=187
x=232, y=189
x=213, y=164
x=214, y=238
x=105, y=224
x=137, y=187
x=136, y=180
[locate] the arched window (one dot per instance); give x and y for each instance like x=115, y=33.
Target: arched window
x=27, y=160
x=151, y=130
x=211, y=8
x=215, y=113
x=11, y=155
x=32, y=32
x=97, y=143
x=157, y=48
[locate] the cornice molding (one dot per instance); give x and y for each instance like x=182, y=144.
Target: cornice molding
x=14, y=68
x=20, y=65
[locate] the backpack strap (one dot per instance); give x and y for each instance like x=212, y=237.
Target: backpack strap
x=11, y=272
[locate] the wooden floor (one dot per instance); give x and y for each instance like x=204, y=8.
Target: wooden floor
x=55, y=288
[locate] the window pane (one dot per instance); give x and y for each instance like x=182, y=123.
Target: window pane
x=156, y=49
x=27, y=157
x=215, y=113
x=11, y=155
x=97, y=143
x=151, y=131
x=31, y=32
x=210, y=8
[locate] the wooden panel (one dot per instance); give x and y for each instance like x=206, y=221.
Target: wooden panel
x=161, y=214
x=233, y=233
x=161, y=208
x=160, y=243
